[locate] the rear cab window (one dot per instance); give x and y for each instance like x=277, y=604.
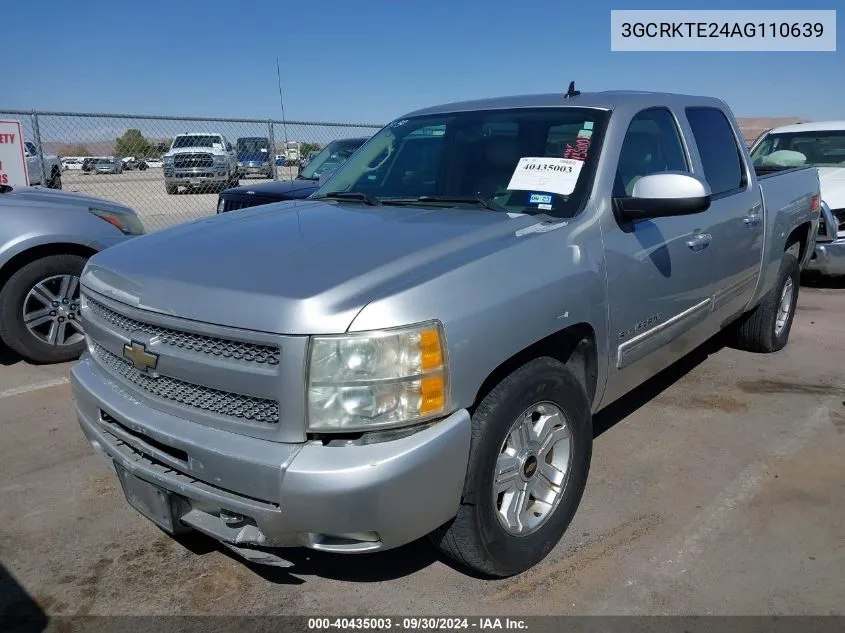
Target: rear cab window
x=721, y=157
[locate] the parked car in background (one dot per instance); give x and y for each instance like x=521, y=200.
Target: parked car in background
x=72, y=163
x=254, y=156
x=108, y=165
x=52, y=167
x=201, y=161
x=821, y=145
x=131, y=162
x=88, y=163
x=297, y=188
x=153, y=163
x=418, y=348
x=45, y=239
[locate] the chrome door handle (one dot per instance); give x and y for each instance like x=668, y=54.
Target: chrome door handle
x=699, y=241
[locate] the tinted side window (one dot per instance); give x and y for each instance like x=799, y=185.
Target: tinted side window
x=652, y=145
x=720, y=155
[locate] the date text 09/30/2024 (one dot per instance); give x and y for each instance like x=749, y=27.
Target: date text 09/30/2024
x=416, y=624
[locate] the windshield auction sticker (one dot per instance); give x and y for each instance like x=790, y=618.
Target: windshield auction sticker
x=549, y=175
x=12, y=160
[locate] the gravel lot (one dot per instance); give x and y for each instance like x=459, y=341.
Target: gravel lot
x=719, y=487
x=144, y=192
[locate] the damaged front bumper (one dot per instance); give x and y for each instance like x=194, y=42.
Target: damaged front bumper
x=252, y=493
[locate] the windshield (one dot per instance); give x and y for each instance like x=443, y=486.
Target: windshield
x=801, y=149
x=253, y=145
x=104, y=161
x=331, y=156
x=522, y=160
x=197, y=140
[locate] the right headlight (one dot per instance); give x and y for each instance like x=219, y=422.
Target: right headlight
x=378, y=379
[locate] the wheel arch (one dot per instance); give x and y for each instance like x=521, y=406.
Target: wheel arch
x=575, y=346
x=34, y=252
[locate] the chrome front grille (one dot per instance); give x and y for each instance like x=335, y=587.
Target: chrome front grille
x=247, y=352
x=230, y=405
x=193, y=160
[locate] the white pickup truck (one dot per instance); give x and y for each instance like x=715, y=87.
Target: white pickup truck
x=821, y=145
x=52, y=167
x=200, y=160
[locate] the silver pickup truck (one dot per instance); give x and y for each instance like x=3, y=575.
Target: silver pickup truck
x=419, y=348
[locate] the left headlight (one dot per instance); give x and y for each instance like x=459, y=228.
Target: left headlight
x=377, y=379
x=127, y=223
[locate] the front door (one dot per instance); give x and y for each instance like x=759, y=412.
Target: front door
x=658, y=270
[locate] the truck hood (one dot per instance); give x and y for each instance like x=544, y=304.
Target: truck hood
x=195, y=150
x=300, y=267
x=39, y=196
x=832, y=181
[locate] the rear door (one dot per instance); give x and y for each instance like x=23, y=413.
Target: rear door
x=658, y=270
x=736, y=211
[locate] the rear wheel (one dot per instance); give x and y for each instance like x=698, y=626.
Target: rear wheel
x=529, y=459
x=39, y=310
x=766, y=328
x=171, y=189
x=55, y=180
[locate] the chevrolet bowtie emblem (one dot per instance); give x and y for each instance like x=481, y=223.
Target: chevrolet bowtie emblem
x=140, y=357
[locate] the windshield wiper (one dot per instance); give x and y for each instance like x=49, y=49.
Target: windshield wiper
x=476, y=200
x=351, y=195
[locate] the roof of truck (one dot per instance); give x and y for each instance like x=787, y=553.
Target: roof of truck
x=814, y=126
x=607, y=100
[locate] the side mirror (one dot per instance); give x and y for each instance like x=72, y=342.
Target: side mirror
x=228, y=147
x=665, y=194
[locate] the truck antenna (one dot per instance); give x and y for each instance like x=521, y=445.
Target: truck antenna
x=284, y=120
x=571, y=92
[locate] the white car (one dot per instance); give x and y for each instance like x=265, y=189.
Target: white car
x=200, y=160
x=821, y=145
x=153, y=162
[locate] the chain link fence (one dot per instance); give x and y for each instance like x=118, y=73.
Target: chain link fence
x=119, y=156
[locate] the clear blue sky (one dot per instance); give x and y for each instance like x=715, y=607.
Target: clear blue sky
x=372, y=60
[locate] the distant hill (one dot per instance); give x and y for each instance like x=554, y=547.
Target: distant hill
x=752, y=127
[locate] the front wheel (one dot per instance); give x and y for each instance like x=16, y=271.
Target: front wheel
x=39, y=310
x=171, y=189
x=529, y=460
x=766, y=328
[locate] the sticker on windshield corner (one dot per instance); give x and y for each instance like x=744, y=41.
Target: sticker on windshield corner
x=539, y=198
x=582, y=144
x=550, y=173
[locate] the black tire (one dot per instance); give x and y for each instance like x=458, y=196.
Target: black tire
x=13, y=330
x=55, y=180
x=171, y=189
x=757, y=330
x=142, y=167
x=475, y=537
